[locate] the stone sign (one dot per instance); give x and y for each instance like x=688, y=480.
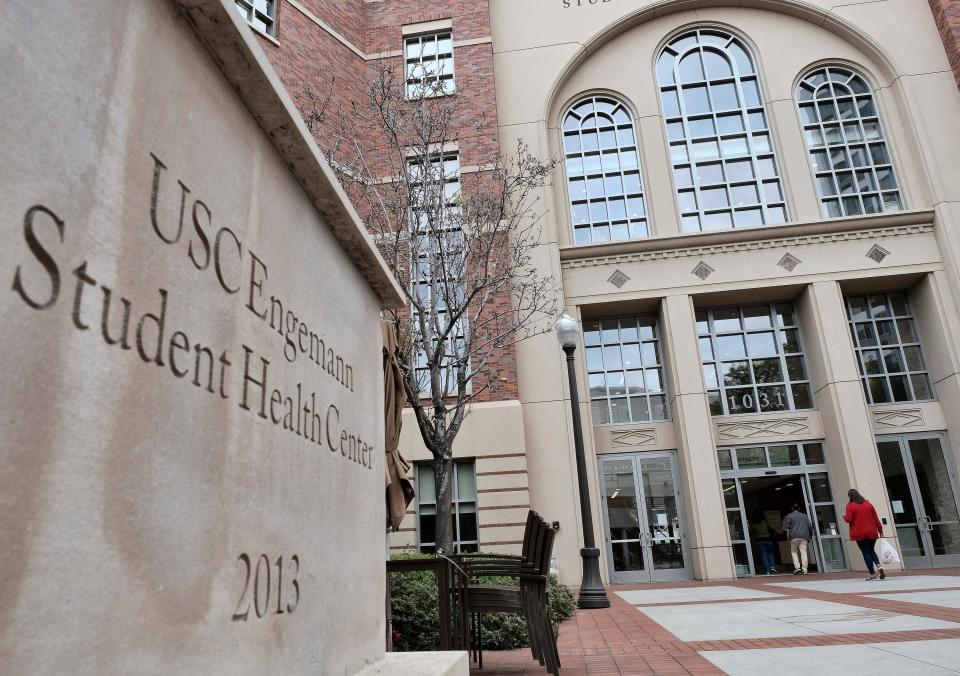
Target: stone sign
x=191, y=404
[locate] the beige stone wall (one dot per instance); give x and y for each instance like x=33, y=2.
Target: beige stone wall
x=549, y=52
x=166, y=505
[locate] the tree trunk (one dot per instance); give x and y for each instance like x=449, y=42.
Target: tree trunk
x=443, y=481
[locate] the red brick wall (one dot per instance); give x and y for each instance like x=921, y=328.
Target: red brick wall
x=947, y=15
x=308, y=56
x=346, y=17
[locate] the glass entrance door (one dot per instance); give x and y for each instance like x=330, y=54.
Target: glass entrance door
x=642, y=514
x=823, y=513
x=664, y=541
x=760, y=485
x=920, y=484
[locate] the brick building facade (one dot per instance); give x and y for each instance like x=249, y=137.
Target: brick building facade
x=325, y=53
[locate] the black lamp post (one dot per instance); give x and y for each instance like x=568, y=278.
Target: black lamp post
x=592, y=593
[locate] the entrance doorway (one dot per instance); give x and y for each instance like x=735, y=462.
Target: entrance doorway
x=921, y=483
x=760, y=484
x=767, y=500
x=643, y=534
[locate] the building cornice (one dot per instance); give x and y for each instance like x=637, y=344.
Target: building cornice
x=704, y=243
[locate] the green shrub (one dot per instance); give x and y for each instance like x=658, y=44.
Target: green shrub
x=561, y=601
x=414, y=605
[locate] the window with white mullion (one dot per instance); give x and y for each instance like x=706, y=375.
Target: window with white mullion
x=625, y=370
x=849, y=157
x=724, y=166
x=261, y=14
x=752, y=359
x=889, y=353
x=429, y=64
x=431, y=294
x=454, y=346
x=603, y=172
x=437, y=262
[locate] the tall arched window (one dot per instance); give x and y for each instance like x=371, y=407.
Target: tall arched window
x=603, y=172
x=848, y=154
x=724, y=166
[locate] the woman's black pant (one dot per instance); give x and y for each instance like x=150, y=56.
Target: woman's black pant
x=869, y=556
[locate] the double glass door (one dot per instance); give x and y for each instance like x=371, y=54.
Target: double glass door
x=756, y=508
x=920, y=484
x=643, y=533
x=760, y=485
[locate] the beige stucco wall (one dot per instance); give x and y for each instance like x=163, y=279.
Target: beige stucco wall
x=493, y=437
x=549, y=52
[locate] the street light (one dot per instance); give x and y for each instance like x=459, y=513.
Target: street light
x=592, y=593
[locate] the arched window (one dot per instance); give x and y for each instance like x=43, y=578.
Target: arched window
x=724, y=166
x=848, y=154
x=603, y=172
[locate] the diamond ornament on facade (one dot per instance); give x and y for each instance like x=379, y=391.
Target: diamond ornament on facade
x=877, y=253
x=628, y=438
x=899, y=418
x=789, y=262
x=702, y=270
x=746, y=429
x=618, y=278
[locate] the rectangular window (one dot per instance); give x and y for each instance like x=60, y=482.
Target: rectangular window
x=261, y=14
x=763, y=456
x=466, y=536
x=429, y=64
x=752, y=359
x=625, y=370
x=437, y=257
x=889, y=355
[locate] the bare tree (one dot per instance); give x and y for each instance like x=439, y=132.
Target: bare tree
x=313, y=106
x=460, y=244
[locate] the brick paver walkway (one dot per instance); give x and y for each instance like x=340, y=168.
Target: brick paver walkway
x=623, y=640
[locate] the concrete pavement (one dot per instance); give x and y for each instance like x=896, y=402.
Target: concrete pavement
x=835, y=623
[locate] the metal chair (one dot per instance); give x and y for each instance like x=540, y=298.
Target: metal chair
x=528, y=598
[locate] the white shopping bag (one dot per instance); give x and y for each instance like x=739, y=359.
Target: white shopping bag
x=887, y=553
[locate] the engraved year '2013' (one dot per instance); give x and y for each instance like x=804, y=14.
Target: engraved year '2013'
x=265, y=584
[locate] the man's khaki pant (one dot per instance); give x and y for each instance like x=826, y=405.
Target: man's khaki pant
x=798, y=550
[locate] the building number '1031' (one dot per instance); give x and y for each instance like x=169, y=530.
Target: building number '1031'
x=746, y=402
x=265, y=584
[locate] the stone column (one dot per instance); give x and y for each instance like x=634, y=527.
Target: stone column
x=850, y=444
x=551, y=463
x=706, y=524
x=935, y=309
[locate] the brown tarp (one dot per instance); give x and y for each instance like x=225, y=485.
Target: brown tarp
x=399, y=489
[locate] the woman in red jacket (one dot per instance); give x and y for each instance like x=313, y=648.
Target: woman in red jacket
x=865, y=528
